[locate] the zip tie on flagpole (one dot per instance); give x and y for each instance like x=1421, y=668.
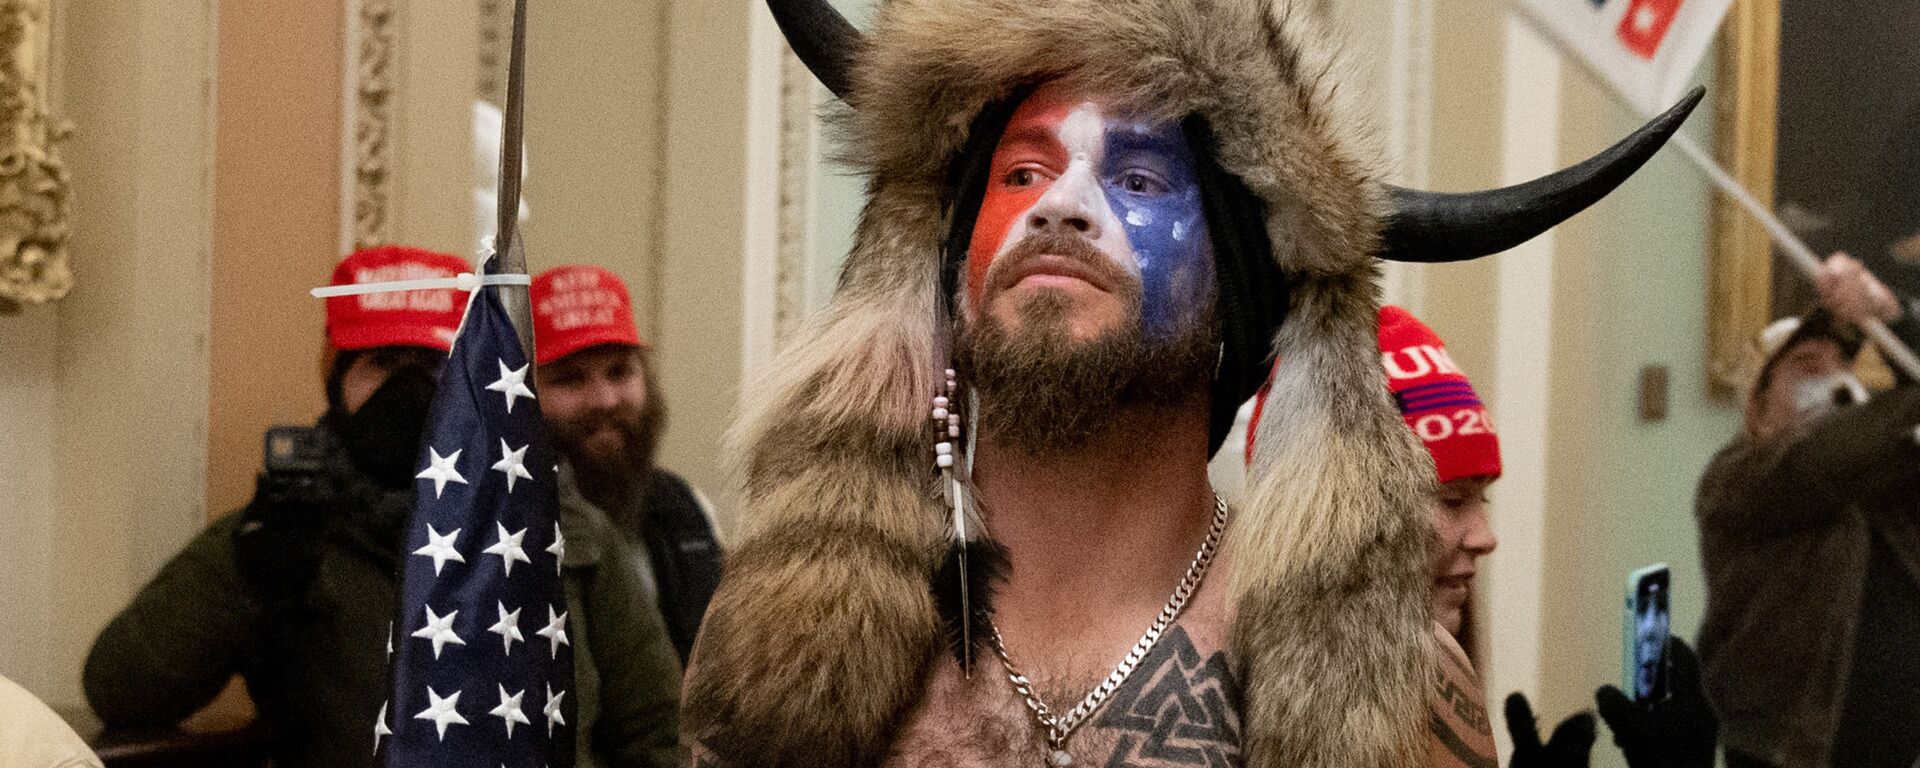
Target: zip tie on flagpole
x=465, y=281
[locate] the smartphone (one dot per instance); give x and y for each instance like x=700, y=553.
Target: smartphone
x=1648, y=620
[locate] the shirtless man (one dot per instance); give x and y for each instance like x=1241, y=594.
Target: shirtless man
x=1091, y=226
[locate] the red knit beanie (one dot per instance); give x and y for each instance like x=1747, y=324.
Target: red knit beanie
x=1434, y=397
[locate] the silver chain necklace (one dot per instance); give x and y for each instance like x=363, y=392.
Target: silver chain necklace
x=1060, y=728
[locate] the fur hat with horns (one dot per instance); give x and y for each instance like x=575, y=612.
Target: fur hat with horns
x=818, y=641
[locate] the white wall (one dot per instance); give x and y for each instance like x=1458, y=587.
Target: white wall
x=103, y=397
x=26, y=498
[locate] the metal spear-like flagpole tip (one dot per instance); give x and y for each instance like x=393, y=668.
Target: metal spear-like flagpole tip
x=510, y=255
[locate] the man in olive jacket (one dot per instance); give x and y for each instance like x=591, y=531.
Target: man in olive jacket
x=1809, y=537
x=605, y=412
x=295, y=593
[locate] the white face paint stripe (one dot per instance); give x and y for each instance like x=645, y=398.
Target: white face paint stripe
x=1083, y=135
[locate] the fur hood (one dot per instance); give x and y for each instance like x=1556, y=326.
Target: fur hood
x=818, y=640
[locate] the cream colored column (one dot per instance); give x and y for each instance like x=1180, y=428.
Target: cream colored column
x=705, y=235
x=130, y=407
x=594, y=110
x=27, y=394
x=436, y=79
x=1519, y=398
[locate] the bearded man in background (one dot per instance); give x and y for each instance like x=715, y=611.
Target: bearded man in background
x=605, y=413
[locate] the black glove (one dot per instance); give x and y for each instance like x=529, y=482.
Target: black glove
x=278, y=543
x=1570, y=746
x=1679, y=732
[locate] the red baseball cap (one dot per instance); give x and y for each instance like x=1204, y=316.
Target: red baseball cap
x=1433, y=395
x=426, y=318
x=578, y=306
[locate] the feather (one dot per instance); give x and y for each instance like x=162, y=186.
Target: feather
x=965, y=602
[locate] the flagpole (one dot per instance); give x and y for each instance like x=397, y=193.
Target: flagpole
x=1895, y=350
x=1797, y=251
x=510, y=255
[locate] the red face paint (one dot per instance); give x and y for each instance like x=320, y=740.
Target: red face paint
x=1029, y=158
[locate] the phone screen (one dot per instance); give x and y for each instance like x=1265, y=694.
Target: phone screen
x=1648, y=623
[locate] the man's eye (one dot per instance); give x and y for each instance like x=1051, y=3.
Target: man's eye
x=1142, y=183
x=1023, y=177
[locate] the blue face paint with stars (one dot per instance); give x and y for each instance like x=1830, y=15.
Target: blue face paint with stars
x=1153, y=190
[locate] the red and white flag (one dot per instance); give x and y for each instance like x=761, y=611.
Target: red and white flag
x=1646, y=49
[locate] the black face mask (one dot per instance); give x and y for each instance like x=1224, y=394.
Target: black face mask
x=383, y=436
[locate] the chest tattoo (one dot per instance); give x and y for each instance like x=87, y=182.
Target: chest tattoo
x=1178, y=709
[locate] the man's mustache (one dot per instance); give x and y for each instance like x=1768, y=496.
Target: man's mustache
x=1008, y=269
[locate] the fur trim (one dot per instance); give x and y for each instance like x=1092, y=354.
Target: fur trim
x=818, y=639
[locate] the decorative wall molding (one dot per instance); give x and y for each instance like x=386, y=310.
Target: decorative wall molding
x=798, y=163
x=496, y=38
x=35, y=190
x=371, y=57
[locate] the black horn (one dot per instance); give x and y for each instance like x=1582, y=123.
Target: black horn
x=824, y=40
x=1434, y=227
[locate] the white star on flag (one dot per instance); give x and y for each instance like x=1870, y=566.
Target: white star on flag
x=508, y=627
x=509, y=710
x=1644, y=18
x=443, y=712
x=552, y=710
x=440, y=548
x=512, y=383
x=513, y=463
x=380, y=728
x=555, y=631
x=439, y=629
x=508, y=548
x=558, y=548
x=441, y=471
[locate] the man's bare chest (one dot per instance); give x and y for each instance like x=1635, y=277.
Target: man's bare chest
x=1179, y=707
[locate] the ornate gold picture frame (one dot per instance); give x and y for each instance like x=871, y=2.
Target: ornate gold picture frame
x=1818, y=117
x=1740, y=287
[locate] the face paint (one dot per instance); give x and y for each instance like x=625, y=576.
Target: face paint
x=1126, y=186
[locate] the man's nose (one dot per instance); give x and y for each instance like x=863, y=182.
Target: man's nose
x=1480, y=539
x=605, y=394
x=1070, y=206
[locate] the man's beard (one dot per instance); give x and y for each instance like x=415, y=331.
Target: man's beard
x=1044, y=393
x=613, y=478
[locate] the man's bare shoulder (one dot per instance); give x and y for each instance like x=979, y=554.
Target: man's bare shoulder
x=1461, y=733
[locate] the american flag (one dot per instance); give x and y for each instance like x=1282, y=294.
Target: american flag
x=481, y=651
